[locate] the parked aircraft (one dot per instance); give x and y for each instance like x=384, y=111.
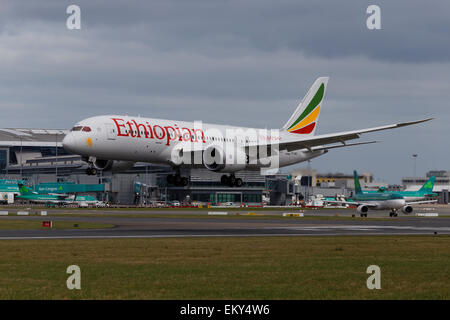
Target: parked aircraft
x=116, y=142
x=58, y=199
x=378, y=201
x=426, y=191
x=32, y=196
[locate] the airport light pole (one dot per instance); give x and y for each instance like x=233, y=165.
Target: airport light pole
x=21, y=144
x=415, y=158
x=56, y=156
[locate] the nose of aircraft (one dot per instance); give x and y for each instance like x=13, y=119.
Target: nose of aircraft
x=69, y=143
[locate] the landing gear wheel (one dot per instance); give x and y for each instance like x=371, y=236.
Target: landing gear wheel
x=393, y=214
x=231, y=180
x=224, y=179
x=177, y=180
x=91, y=171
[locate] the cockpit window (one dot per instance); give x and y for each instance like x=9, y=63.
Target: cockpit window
x=76, y=128
x=86, y=129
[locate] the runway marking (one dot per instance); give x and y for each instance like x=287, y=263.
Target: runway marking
x=209, y=235
x=359, y=228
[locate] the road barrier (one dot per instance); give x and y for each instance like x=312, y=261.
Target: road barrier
x=3, y=213
x=22, y=213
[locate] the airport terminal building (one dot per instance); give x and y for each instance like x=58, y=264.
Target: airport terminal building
x=37, y=157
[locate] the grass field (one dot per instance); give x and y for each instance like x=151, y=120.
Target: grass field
x=412, y=267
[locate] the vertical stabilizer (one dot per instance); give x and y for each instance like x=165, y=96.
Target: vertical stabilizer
x=428, y=186
x=305, y=118
x=358, y=189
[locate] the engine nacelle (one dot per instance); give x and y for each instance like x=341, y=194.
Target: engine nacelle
x=362, y=209
x=112, y=165
x=407, y=209
x=218, y=160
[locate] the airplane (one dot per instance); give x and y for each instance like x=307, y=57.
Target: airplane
x=115, y=142
x=426, y=191
x=56, y=198
x=378, y=201
x=32, y=196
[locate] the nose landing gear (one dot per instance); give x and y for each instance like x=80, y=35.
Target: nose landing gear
x=393, y=213
x=91, y=171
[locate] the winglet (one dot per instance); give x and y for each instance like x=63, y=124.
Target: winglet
x=404, y=124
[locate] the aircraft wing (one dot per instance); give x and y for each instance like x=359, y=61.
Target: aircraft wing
x=419, y=202
x=352, y=203
x=339, y=137
x=60, y=195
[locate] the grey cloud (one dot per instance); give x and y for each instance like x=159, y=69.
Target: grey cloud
x=238, y=62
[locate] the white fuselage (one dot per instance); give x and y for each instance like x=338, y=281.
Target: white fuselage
x=389, y=204
x=124, y=138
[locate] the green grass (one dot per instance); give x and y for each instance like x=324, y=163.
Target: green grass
x=34, y=224
x=412, y=267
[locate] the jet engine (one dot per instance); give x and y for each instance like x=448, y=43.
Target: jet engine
x=407, y=209
x=362, y=209
x=218, y=160
x=112, y=165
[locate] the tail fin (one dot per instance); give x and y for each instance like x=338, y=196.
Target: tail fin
x=428, y=186
x=304, y=119
x=357, y=184
x=23, y=190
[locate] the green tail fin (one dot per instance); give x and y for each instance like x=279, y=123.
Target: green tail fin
x=428, y=186
x=357, y=184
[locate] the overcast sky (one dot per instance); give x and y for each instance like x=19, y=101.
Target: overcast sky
x=241, y=62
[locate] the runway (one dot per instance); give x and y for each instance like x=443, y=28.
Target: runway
x=157, y=227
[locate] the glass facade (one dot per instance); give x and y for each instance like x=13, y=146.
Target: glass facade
x=45, y=152
x=3, y=159
x=227, y=197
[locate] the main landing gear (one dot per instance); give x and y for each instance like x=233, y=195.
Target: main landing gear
x=177, y=180
x=231, y=181
x=393, y=213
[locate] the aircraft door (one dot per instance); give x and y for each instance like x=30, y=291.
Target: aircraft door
x=110, y=134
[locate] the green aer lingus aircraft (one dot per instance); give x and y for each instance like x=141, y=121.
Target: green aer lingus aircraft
x=425, y=192
x=376, y=200
x=57, y=199
x=28, y=194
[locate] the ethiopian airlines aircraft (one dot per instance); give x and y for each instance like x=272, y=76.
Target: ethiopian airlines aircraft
x=116, y=142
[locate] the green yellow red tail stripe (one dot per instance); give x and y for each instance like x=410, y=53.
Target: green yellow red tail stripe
x=306, y=122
